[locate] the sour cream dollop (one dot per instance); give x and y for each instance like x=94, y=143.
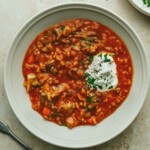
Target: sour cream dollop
x=102, y=73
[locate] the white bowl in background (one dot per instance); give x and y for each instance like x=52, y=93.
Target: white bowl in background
x=81, y=136
x=139, y=5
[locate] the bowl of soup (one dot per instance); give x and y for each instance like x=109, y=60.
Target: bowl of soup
x=76, y=75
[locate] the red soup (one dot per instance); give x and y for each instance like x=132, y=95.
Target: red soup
x=77, y=72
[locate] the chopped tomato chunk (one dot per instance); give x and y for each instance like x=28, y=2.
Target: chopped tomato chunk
x=30, y=59
x=46, y=111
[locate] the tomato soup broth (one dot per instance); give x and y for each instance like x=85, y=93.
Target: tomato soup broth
x=64, y=84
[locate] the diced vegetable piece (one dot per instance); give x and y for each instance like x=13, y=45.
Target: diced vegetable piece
x=31, y=76
x=92, y=120
x=87, y=115
x=66, y=107
x=58, y=32
x=30, y=79
x=54, y=91
x=46, y=112
x=62, y=87
x=66, y=30
x=71, y=121
x=30, y=59
x=81, y=97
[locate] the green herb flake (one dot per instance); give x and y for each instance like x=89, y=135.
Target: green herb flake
x=110, y=87
x=144, y=1
x=87, y=75
x=90, y=80
x=90, y=40
x=73, y=44
x=147, y=2
x=100, y=87
x=90, y=57
x=86, y=108
x=94, y=86
x=106, y=59
x=89, y=99
x=105, y=56
x=62, y=27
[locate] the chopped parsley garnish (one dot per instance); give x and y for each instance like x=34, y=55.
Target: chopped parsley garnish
x=86, y=108
x=62, y=27
x=100, y=87
x=73, y=44
x=106, y=59
x=90, y=80
x=89, y=99
x=90, y=58
x=90, y=40
x=94, y=76
x=94, y=86
x=87, y=75
x=110, y=87
x=105, y=56
x=147, y=2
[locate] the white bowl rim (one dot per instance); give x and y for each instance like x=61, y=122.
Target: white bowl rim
x=132, y=34
x=143, y=9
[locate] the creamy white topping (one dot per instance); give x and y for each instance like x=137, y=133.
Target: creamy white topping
x=101, y=73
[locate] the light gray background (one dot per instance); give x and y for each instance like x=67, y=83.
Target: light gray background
x=13, y=14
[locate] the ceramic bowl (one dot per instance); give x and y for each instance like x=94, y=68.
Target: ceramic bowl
x=81, y=136
x=140, y=6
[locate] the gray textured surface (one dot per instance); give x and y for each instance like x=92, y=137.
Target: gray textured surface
x=13, y=14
